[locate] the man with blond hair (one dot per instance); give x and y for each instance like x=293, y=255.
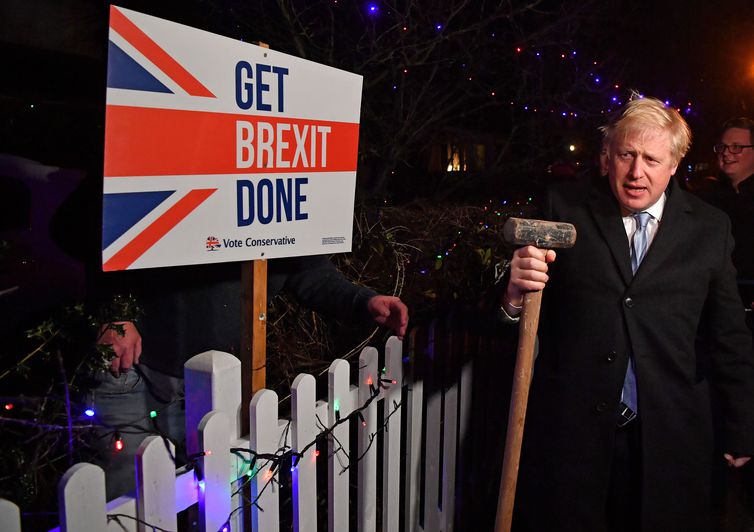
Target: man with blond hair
x=619, y=433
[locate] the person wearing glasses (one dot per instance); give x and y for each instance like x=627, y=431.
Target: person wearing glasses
x=735, y=153
x=735, y=195
x=733, y=192
x=619, y=429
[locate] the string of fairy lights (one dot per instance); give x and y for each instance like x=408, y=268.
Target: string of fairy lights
x=271, y=462
x=494, y=215
x=521, y=51
x=285, y=454
x=87, y=413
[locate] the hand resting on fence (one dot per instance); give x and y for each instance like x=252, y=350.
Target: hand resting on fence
x=391, y=312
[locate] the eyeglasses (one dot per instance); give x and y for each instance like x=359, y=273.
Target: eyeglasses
x=732, y=148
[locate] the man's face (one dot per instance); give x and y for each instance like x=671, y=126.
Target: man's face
x=639, y=168
x=736, y=166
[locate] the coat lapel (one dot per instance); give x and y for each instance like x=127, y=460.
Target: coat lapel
x=672, y=226
x=607, y=217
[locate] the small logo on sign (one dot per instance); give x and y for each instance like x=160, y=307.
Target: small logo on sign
x=212, y=243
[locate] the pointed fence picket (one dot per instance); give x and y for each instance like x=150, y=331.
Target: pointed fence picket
x=339, y=445
x=391, y=441
x=215, y=473
x=10, y=517
x=415, y=410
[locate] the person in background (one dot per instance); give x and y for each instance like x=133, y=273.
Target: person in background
x=733, y=192
x=188, y=310
x=619, y=430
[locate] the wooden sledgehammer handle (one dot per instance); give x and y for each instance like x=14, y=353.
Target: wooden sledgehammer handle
x=546, y=235
x=517, y=414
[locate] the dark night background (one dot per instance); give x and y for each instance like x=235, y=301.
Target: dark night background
x=521, y=81
x=53, y=55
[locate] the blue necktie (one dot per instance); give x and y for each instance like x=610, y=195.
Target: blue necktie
x=639, y=245
x=640, y=242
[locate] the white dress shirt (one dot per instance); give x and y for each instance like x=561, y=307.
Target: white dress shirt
x=656, y=210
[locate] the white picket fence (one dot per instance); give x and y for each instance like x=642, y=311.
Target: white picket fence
x=412, y=455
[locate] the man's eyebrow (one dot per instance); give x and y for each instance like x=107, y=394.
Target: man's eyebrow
x=652, y=155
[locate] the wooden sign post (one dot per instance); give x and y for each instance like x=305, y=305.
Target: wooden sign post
x=253, y=333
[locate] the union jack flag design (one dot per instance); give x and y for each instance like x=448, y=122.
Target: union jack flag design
x=135, y=221
x=212, y=243
x=188, y=155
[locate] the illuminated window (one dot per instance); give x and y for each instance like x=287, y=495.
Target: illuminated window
x=456, y=161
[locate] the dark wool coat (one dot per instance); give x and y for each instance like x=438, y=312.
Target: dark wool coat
x=596, y=313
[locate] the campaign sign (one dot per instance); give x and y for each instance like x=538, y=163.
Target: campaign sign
x=218, y=150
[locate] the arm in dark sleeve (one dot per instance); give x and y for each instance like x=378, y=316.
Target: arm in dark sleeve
x=316, y=284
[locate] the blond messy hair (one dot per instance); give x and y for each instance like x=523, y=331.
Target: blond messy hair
x=647, y=114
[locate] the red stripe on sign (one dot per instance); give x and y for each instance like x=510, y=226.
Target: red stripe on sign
x=152, y=51
x=142, y=141
x=156, y=230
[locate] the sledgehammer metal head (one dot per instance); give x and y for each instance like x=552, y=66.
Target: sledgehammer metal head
x=539, y=233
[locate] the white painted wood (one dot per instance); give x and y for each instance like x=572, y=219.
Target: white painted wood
x=186, y=493
x=433, y=394
x=214, y=487
x=240, y=469
x=320, y=412
x=155, y=483
x=368, y=377
x=414, y=416
x=81, y=498
x=304, y=474
x=449, y=443
x=10, y=517
x=125, y=505
x=464, y=422
x=263, y=414
x=338, y=446
x=213, y=382
x=283, y=434
x=391, y=455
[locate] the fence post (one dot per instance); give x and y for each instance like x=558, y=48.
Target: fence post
x=414, y=415
x=263, y=424
x=304, y=474
x=449, y=370
x=214, y=472
x=391, y=451
x=155, y=484
x=81, y=498
x=339, y=406
x=10, y=517
x=213, y=382
x=464, y=490
x=433, y=396
x=368, y=377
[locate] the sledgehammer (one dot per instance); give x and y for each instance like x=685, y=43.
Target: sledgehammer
x=544, y=235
